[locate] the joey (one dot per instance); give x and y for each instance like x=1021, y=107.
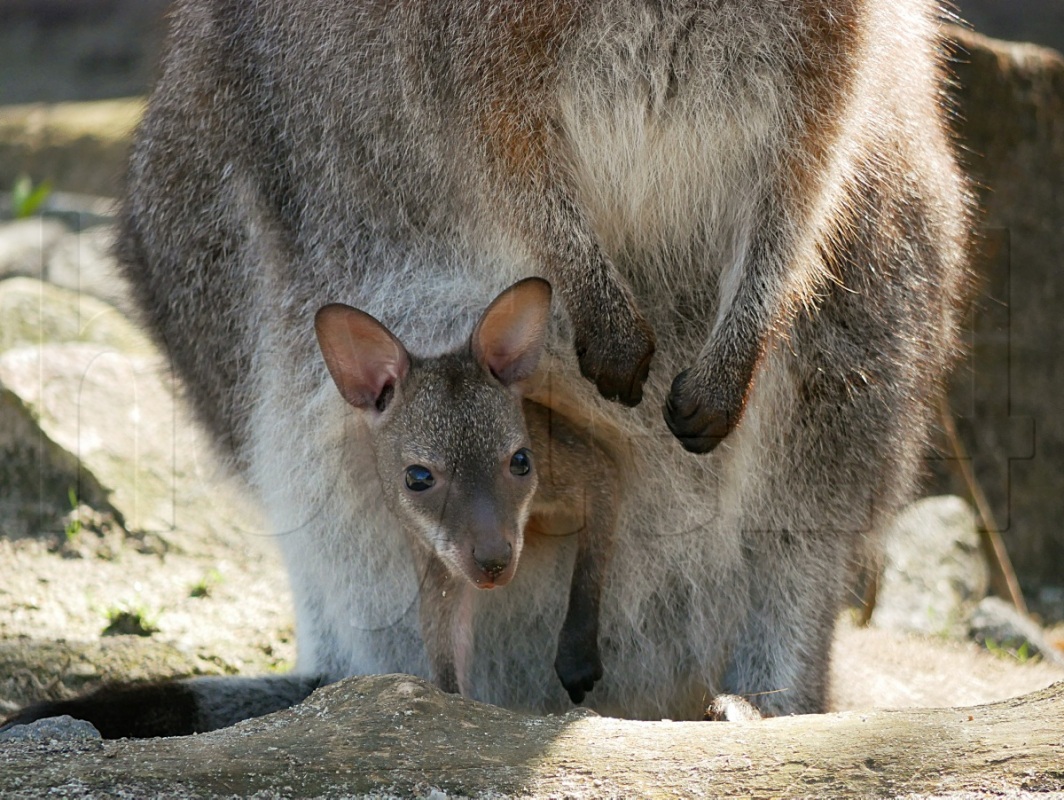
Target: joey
x=460, y=454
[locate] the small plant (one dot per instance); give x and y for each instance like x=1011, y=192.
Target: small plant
x=205, y=585
x=1023, y=653
x=73, y=526
x=27, y=199
x=130, y=621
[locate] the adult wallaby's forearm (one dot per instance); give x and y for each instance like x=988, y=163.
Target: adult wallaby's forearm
x=798, y=199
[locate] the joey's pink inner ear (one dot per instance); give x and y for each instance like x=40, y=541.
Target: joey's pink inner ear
x=512, y=331
x=365, y=360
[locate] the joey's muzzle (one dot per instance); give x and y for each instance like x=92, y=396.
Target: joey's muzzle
x=493, y=562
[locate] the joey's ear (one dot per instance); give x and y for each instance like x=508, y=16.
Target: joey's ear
x=365, y=360
x=510, y=335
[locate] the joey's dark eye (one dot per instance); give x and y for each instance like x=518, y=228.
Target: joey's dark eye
x=521, y=463
x=419, y=478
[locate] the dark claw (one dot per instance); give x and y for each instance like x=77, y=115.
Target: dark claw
x=611, y=370
x=698, y=427
x=634, y=395
x=578, y=673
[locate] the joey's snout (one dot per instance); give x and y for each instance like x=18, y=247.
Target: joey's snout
x=493, y=560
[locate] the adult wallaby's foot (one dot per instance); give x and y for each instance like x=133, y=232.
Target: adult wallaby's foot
x=173, y=708
x=701, y=413
x=616, y=357
x=731, y=708
x=124, y=711
x=578, y=666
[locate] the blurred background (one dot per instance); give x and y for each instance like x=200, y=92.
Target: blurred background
x=54, y=50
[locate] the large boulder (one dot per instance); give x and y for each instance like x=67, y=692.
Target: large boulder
x=934, y=572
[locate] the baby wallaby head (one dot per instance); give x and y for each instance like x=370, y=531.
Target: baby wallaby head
x=452, y=450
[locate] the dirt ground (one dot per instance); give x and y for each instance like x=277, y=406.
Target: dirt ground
x=103, y=606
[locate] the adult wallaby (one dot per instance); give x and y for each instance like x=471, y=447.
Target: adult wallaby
x=460, y=455
x=762, y=190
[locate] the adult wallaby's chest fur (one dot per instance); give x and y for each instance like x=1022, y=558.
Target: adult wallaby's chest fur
x=660, y=117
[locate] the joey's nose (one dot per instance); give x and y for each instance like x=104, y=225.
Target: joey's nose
x=493, y=559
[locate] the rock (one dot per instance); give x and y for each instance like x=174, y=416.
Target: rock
x=25, y=245
x=78, y=147
x=44, y=479
x=112, y=505
x=934, y=571
x=114, y=410
x=35, y=313
x=1011, y=128
x=46, y=248
x=1000, y=628
x=396, y=736
x=53, y=729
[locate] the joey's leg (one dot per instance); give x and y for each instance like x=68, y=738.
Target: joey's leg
x=578, y=664
x=446, y=624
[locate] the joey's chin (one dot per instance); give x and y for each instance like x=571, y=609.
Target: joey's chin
x=483, y=580
x=497, y=582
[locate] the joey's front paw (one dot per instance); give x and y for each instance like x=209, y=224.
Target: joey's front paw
x=700, y=416
x=617, y=361
x=578, y=668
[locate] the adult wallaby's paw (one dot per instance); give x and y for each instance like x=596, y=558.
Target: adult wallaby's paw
x=701, y=415
x=578, y=668
x=617, y=360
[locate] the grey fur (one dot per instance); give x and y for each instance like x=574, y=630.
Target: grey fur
x=766, y=186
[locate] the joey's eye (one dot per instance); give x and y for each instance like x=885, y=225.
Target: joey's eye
x=521, y=463
x=419, y=478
